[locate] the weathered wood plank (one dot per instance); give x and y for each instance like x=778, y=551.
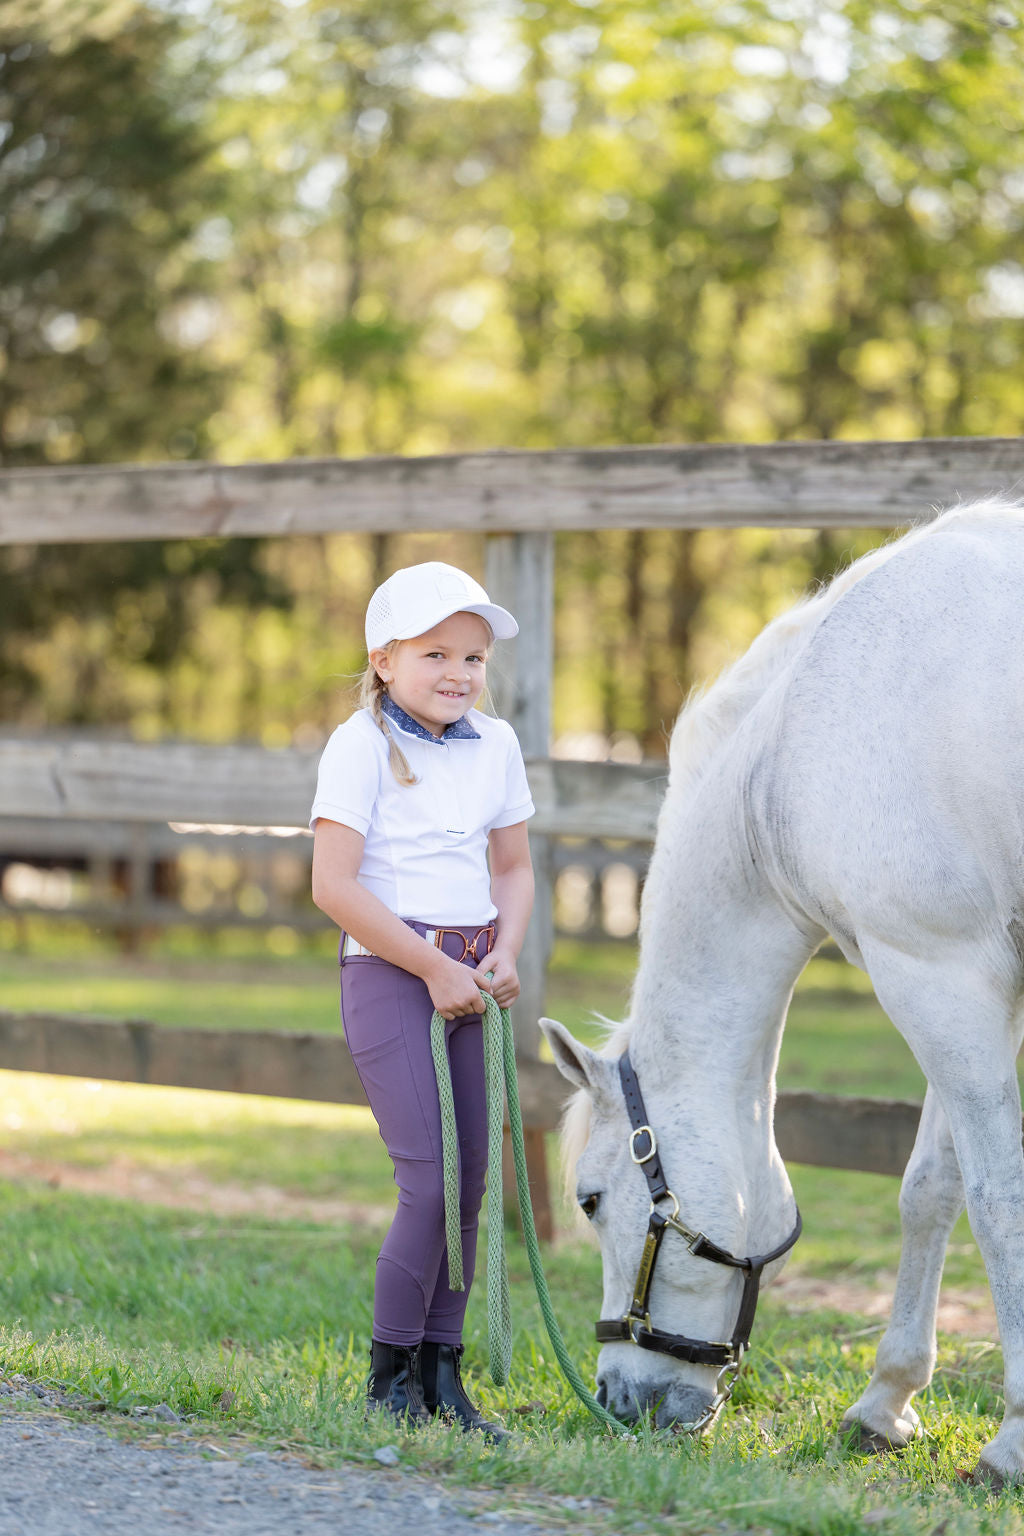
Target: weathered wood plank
x=868, y=1135
x=40, y=837
x=520, y=574
x=826, y=1130
x=580, y=799
x=819, y=484
x=275, y=1063
x=253, y=786
x=173, y=781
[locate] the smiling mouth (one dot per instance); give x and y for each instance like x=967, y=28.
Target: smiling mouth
x=446, y=693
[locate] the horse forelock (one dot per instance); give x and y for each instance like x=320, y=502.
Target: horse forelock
x=713, y=713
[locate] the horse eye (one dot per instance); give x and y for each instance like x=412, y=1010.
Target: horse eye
x=588, y=1205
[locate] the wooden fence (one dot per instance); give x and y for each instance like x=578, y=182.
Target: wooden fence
x=780, y=485
x=136, y=878
x=873, y=1135
x=519, y=500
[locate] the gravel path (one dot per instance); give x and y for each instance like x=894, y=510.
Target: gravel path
x=59, y=1476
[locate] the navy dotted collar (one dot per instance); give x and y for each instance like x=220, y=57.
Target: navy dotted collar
x=460, y=730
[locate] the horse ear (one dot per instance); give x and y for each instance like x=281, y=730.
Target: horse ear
x=577, y=1063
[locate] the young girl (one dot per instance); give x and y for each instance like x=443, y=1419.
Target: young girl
x=417, y=795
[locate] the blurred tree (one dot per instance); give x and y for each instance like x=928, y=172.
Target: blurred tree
x=329, y=153
x=755, y=222
x=102, y=176
x=425, y=225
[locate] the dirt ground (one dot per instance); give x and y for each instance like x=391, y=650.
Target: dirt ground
x=124, y=1180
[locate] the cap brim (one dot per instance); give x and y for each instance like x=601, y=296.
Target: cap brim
x=502, y=625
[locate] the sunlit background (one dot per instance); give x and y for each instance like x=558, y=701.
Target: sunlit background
x=256, y=230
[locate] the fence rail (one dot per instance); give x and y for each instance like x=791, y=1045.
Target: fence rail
x=781, y=485
x=826, y=1130
x=138, y=876
x=259, y=787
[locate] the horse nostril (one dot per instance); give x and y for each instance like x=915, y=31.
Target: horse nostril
x=602, y=1392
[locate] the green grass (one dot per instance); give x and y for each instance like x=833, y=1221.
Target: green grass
x=137, y=1303
x=133, y=1305
x=259, y=992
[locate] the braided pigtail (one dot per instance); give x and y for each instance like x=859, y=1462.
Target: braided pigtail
x=371, y=697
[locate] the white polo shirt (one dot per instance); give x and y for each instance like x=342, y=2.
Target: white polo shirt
x=425, y=855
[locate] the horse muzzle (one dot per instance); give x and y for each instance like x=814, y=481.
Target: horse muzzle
x=667, y=1404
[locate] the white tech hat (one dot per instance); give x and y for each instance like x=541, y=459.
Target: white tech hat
x=417, y=597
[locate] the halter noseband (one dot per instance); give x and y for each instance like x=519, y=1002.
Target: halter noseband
x=635, y=1326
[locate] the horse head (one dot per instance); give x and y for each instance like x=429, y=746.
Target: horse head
x=678, y=1298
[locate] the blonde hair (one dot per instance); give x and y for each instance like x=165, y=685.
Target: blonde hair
x=372, y=691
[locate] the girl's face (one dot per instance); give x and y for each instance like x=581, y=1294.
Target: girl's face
x=438, y=676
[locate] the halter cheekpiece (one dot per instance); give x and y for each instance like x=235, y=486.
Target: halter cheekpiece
x=635, y=1326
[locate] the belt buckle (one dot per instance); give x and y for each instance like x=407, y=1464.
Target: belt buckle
x=489, y=929
x=469, y=946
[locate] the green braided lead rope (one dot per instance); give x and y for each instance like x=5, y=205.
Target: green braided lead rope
x=499, y=1308
x=500, y=1070
x=450, y=1153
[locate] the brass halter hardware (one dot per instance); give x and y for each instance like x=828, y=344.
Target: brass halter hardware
x=635, y=1325
x=652, y=1150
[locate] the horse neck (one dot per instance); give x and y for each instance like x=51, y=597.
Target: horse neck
x=718, y=957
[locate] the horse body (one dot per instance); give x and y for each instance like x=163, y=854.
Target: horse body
x=888, y=792
x=861, y=773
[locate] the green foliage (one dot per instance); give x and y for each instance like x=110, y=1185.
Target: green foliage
x=101, y=635
x=254, y=231
x=102, y=176
x=357, y=345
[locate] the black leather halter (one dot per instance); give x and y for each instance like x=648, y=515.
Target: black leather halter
x=635, y=1327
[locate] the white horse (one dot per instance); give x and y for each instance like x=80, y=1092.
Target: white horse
x=859, y=773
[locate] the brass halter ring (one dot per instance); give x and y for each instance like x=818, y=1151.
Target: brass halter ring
x=673, y=1219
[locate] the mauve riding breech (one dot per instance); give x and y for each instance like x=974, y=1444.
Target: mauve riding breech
x=386, y=1014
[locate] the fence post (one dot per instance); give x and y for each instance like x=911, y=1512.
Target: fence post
x=519, y=574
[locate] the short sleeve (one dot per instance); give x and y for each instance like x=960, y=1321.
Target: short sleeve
x=348, y=780
x=519, y=804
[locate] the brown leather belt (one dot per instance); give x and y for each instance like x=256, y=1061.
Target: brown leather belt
x=351, y=948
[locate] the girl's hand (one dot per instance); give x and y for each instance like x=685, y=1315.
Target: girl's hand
x=454, y=988
x=504, y=984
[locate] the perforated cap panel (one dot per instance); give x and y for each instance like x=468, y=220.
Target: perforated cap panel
x=379, y=619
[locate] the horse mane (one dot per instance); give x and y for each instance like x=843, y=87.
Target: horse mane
x=713, y=713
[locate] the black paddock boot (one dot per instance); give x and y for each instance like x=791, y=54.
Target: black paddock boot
x=394, y=1383
x=445, y=1395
